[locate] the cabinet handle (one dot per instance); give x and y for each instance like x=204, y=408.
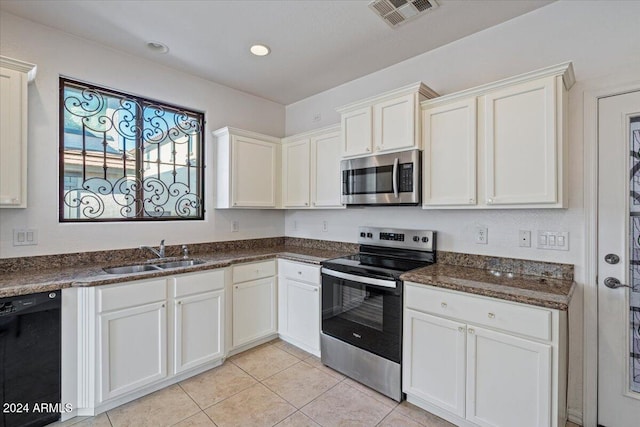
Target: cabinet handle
x=472, y=201
x=367, y=149
x=236, y=286
x=471, y=331
x=179, y=302
x=299, y=272
x=490, y=200
x=460, y=329
x=491, y=315
x=314, y=203
x=163, y=305
x=443, y=305
x=306, y=203
x=315, y=289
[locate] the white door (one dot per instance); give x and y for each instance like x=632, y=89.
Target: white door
x=254, y=310
x=133, y=348
x=394, y=124
x=303, y=314
x=254, y=173
x=295, y=166
x=432, y=342
x=356, y=132
x=508, y=380
x=619, y=236
x=198, y=329
x=327, y=182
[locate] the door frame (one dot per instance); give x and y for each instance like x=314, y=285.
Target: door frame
x=590, y=314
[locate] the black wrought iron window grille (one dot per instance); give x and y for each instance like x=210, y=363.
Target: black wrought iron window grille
x=128, y=158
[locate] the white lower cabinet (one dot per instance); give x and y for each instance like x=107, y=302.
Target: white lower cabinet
x=468, y=359
x=299, y=305
x=198, y=322
x=136, y=337
x=254, y=303
x=132, y=340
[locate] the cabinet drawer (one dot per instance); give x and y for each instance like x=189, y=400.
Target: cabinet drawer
x=299, y=271
x=525, y=320
x=189, y=284
x=253, y=271
x=131, y=294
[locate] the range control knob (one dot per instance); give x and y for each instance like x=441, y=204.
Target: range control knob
x=363, y=234
x=416, y=238
x=370, y=235
x=425, y=239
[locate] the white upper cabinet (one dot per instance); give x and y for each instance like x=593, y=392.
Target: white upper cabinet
x=311, y=169
x=14, y=77
x=500, y=145
x=248, y=169
x=449, y=158
x=296, y=178
x=386, y=122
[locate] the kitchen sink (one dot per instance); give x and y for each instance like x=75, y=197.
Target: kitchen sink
x=139, y=268
x=127, y=269
x=180, y=263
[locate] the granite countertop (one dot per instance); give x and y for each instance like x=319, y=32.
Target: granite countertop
x=527, y=289
x=30, y=281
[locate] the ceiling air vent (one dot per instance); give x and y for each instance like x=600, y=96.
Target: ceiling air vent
x=396, y=12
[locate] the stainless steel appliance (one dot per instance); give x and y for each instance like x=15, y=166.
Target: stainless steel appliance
x=362, y=305
x=30, y=352
x=383, y=179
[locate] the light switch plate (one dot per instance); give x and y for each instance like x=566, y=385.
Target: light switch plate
x=554, y=240
x=25, y=237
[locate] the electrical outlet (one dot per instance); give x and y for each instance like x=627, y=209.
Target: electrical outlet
x=25, y=237
x=524, y=237
x=482, y=235
x=235, y=226
x=325, y=226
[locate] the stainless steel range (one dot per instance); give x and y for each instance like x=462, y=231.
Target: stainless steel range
x=362, y=305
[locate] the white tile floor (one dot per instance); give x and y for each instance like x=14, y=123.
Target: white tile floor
x=273, y=384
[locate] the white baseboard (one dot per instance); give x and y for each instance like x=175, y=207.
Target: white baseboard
x=575, y=416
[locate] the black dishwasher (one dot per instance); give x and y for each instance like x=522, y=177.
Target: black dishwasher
x=30, y=338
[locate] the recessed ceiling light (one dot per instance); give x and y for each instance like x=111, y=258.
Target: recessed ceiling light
x=158, y=47
x=260, y=50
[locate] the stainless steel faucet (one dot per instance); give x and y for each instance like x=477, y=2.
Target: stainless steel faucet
x=158, y=252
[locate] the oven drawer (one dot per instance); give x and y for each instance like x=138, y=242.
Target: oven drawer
x=531, y=321
x=253, y=271
x=298, y=271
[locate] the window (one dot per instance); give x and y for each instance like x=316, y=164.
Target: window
x=126, y=158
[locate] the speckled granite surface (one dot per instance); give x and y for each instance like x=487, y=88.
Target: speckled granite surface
x=36, y=276
x=508, y=265
x=527, y=289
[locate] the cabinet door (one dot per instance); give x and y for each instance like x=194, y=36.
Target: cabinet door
x=198, y=329
x=434, y=360
x=509, y=380
x=449, y=134
x=356, y=132
x=13, y=145
x=254, y=173
x=520, y=141
x=133, y=348
x=394, y=124
x=303, y=314
x=296, y=165
x=327, y=183
x=254, y=310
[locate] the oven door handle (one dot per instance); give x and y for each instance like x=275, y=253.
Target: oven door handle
x=360, y=279
x=396, y=162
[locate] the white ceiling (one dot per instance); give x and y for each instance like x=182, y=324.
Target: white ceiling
x=316, y=45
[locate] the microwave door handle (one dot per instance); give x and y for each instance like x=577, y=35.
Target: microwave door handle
x=396, y=162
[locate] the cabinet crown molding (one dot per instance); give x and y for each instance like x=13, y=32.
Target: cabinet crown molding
x=311, y=133
x=564, y=69
x=228, y=130
x=22, y=66
x=417, y=87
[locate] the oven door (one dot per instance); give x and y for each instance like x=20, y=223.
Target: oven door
x=366, y=315
x=383, y=179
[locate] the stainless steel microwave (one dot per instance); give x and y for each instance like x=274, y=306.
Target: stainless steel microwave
x=383, y=179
